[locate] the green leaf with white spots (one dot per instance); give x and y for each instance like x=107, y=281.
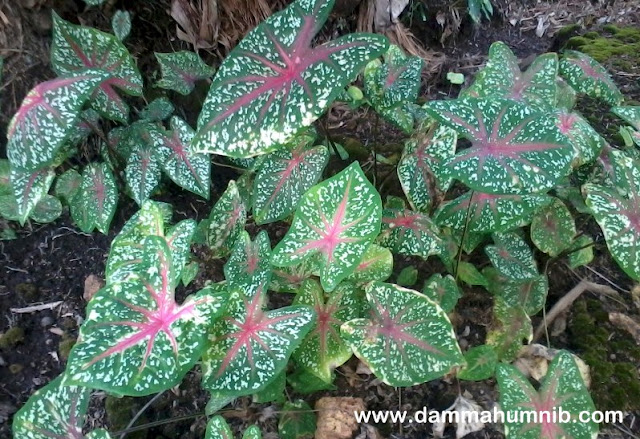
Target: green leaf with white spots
x=376, y=264
x=274, y=392
x=189, y=272
x=289, y=279
x=512, y=256
x=181, y=70
x=253, y=432
x=617, y=213
x=121, y=24
x=336, y=221
x=226, y=221
x=632, y=116
x=407, y=232
x=586, y=141
x=98, y=434
x=144, y=158
x=94, y=2
x=187, y=169
x=283, y=178
x=420, y=170
x=529, y=293
x=217, y=428
x=47, y=210
x=44, y=121
x=178, y=239
x=566, y=96
x=514, y=149
x=136, y=340
x=501, y=77
x=562, y=388
x=481, y=364
x=5, y=178
x=511, y=327
x=585, y=75
x=297, y=421
x=274, y=83
x=408, y=339
x=250, y=347
x=581, y=251
x=486, y=213
x=67, y=185
x=323, y=349
x=28, y=189
x=95, y=203
x=158, y=110
x=249, y=265
x=77, y=48
x=443, y=290
x=469, y=274
x=553, y=228
x=54, y=411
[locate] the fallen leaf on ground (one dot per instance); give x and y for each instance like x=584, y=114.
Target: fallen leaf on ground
x=91, y=286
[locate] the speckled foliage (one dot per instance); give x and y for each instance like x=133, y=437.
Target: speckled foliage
x=181, y=70
x=510, y=330
x=443, y=290
x=250, y=347
x=29, y=188
x=226, y=221
x=501, y=77
x=274, y=83
x=553, y=228
x=136, y=340
x=335, y=222
x=587, y=76
x=55, y=411
x=515, y=150
x=630, y=114
x=586, y=141
x=95, y=203
x=217, y=428
x=408, y=338
x=121, y=24
x=617, y=211
x=323, y=349
x=563, y=387
x=376, y=264
x=77, y=48
x=512, y=256
x=249, y=265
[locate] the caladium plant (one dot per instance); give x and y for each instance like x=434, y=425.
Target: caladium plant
x=217, y=428
x=274, y=83
x=181, y=70
x=587, y=76
x=553, y=228
x=630, y=114
x=249, y=265
x=225, y=222
x=94, y=205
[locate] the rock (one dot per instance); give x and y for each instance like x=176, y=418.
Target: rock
x=335, y=417
x=46, y=321
x=91, y=286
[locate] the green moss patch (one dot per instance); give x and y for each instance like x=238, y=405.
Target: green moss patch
x=11, y=338
x=616, y=47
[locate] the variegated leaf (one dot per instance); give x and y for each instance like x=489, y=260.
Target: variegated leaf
x=443, y=290
x=511, y=327
x=336, y=221
x=481, y=364
x=632, y=116
x=67, y=185
x=217, y=428
x=408, y=339
x=553, y=228
x=77, y=48
x=566, y=96
x=376, y=264
x=121, y=24
x=581, y=251
x=226, y=221
x=54, y=411
x=186, y=168
x=250, y=347
x=28, y=189
x=485, y=213
x=323, y=349
x=618, y=213
x=501, y=77
x=5, y=178
x=136, y=340
x=512, y=256
x=249, y=265
x=289, y=279
x=140, y=144
x=274, y=83
x=47, y=210
x=586, y=141
x=529, y=293
x=515, y=150
x=95, y=203
x=48, y=113
x=420, y=169
x=536, y=414
x=587, y=76
x=158, y=110
x=284, y=177
x=181, y=70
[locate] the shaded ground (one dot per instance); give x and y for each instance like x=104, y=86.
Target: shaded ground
x=49, y=263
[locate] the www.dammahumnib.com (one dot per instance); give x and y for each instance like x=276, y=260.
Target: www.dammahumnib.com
x=555, y=416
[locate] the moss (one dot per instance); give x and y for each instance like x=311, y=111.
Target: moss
x=29, y=292
x=611, y=356
x=11, y=338
x=65, y=345
x=16, y=368
x=613, y=46
x=68, y=323
x=120, y=411
x=567, y=31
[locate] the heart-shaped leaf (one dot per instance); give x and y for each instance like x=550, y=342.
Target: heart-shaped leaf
x=581, y=251
x=586, y=141
x=121, y=24
x=54, y=411
x=420, y=169
x=67, y=185
x=323, y=349
x=501, y=77
x=226, y=221
x=511, y=327
x=632, y=116
x=485, y=213
x=141, y=145
x=95, y=203
x=528, y=293
x=28, y=189
x=217, y=428
x=562, y=388
x=158, y=110
x=45, y=119
x=587, y=76
x=553, y=228
x=443, y=290
x=249, y=265
x=515, y=150
x=376, y=264
x=284, y=176
x=289, y=279
x=298, y=421
x=480, y=364
x=336, y=221
x=408, y=339
x=47, y=210
x=618, y=213
x=274, y=83
x=181, y=70
x=77, y=48
x=250, y=347
x=136, y=339
x=512, y=256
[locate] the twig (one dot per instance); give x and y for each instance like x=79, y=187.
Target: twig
x=35, y=308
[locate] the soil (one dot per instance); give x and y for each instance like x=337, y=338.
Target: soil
x=48, y=264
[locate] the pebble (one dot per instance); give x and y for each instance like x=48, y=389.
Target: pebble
x=2, y=362
x=46, y=321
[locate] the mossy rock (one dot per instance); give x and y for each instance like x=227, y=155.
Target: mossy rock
x=11, y=338
x=610, y=354
x=29, y=292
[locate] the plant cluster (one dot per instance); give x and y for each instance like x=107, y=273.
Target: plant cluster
x=505, y=169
